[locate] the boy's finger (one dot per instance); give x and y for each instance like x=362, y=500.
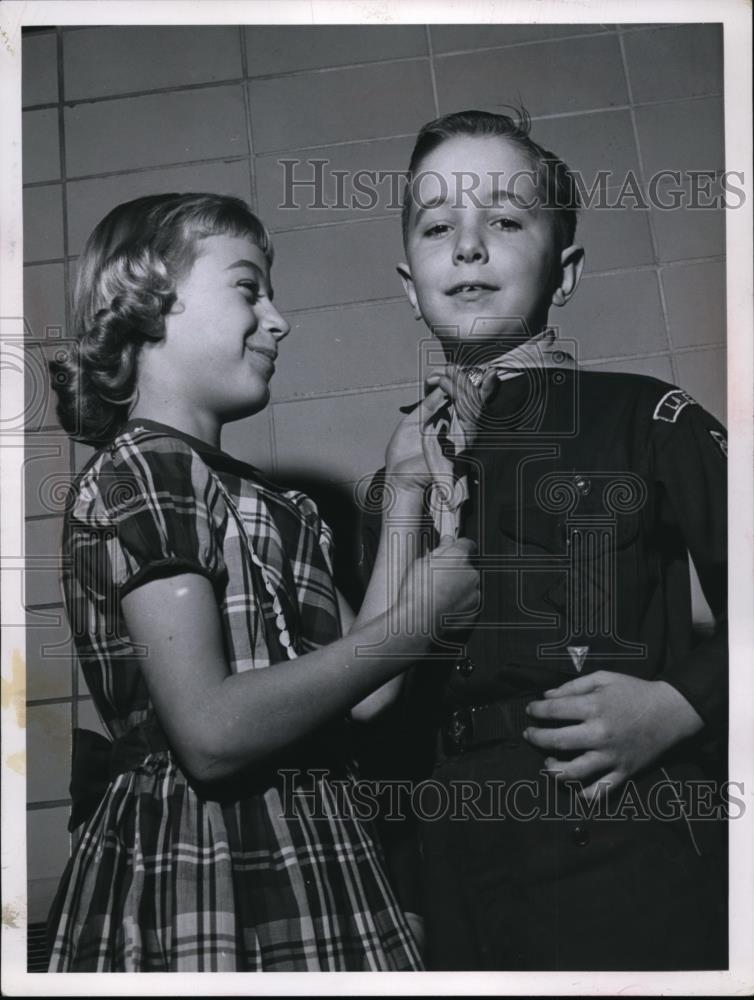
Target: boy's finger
x=577, y=708
x=586, y=767
x=600, y=788
x=579, y=737
x=579, y=685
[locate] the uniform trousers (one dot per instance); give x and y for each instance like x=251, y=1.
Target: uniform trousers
x=516, y=879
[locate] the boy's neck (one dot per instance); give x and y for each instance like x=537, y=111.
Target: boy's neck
x=479, y=353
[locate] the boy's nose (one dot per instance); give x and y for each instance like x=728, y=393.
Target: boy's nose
x=470, y=248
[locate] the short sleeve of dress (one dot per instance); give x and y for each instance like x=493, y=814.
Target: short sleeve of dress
x=163, y=508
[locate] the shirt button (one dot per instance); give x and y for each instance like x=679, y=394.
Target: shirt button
x=580, y=835
x=582, y=484
x=465, y=666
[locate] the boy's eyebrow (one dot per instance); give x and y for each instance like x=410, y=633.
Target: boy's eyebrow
x=496, y=195
x=428, y=205
x=509, y=194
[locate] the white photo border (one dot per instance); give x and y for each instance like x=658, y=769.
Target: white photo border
x=736, y=19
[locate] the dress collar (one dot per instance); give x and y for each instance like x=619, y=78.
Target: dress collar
x=217, y=459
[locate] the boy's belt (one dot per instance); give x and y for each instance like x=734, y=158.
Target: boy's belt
x=479, y=725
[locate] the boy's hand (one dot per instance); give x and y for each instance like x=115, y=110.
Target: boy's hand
x=621, y=724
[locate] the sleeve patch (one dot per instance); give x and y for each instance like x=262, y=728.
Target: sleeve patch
x=671, y=405
x=720, y=440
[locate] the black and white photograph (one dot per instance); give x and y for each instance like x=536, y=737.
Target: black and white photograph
x=377, y=498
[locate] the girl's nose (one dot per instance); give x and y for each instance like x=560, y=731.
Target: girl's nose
x=276, y=324
x=470, y=247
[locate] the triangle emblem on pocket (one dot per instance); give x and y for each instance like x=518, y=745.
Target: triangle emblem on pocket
x=578, y=654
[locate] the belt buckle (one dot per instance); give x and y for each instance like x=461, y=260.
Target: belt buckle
x=459, y=731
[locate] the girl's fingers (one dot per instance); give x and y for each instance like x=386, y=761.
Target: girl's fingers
x=488, y=384
x=441, y=384
x=430, y=404
x=455, y=382
x=462, y=545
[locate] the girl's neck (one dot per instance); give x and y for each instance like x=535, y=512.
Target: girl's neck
x=183, y=417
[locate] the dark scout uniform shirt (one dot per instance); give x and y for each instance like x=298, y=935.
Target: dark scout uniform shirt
x=587, y=491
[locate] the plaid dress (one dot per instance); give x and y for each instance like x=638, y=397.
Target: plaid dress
x=269, y=870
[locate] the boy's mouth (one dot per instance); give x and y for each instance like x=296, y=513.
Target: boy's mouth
x=470, y=291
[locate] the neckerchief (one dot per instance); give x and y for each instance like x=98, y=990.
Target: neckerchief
x=444, y=436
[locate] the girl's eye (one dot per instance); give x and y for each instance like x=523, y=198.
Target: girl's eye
x=250, y=289
x=507, y=224
x=438, y=229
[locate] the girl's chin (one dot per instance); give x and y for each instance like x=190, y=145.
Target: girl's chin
x=248, y=409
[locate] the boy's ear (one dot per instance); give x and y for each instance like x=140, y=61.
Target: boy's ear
x=571, y=266
x=408, y=286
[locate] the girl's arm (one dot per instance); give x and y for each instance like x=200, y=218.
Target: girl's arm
x=219, y=722
x=401, y=542
x=399, y=546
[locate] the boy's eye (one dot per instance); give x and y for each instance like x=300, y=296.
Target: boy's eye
x=437, y=229
x=507, y=224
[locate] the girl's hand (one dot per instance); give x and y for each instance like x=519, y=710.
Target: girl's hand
x=468, y=399
x=405, y=464
x=405, y=457
x=441, y=583
x=620, y=724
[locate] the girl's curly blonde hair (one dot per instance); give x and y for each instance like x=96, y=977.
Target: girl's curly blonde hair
x=126, y=284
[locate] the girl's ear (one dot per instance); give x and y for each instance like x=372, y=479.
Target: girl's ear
x=571, y=266
x=408, y=286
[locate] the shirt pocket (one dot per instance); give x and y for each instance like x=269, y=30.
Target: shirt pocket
x=565, y=550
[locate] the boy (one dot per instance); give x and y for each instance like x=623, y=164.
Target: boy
x=584, y=493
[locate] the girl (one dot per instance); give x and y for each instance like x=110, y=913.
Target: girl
x=218, y=842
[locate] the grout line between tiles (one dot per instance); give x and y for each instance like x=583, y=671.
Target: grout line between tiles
x=650, y=220
x=432, y=74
